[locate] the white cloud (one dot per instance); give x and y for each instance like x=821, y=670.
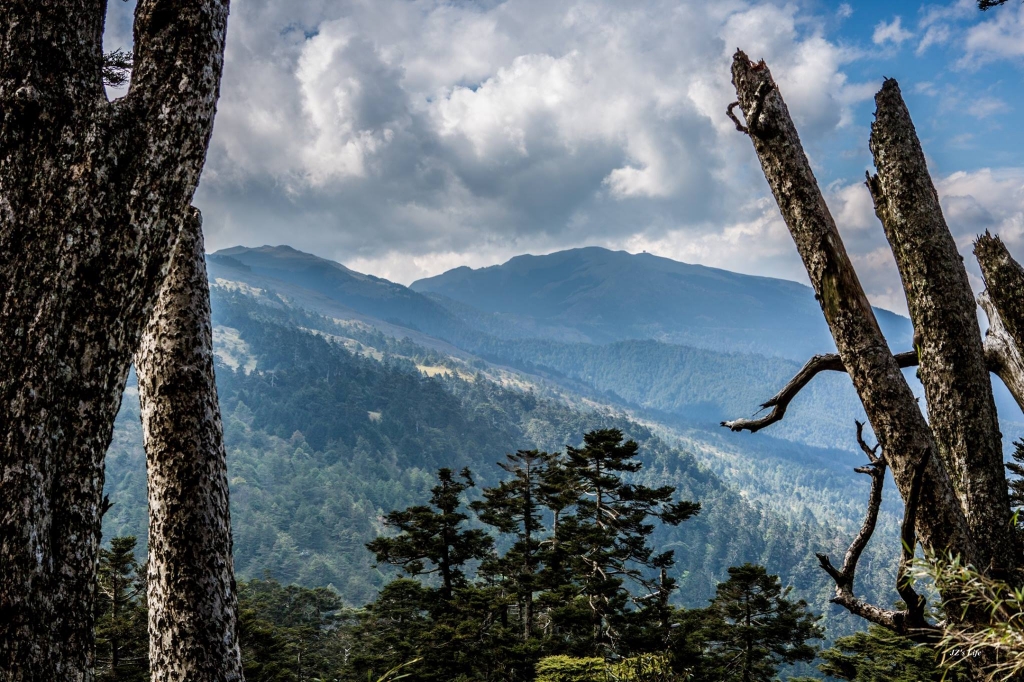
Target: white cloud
x=404, y=137
x=983, y=107
x=972, y=202
x=428, y=128
x=938, y=34
x=998, y=37
x=892, y=32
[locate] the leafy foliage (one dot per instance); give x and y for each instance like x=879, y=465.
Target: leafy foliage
x=996, y=647
x=879, y=655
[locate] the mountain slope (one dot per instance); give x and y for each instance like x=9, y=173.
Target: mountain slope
x=596, y=295
x=329, y=425
x=365, y=294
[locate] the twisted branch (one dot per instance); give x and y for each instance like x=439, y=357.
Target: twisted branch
x=909, y=622
x=830, y=362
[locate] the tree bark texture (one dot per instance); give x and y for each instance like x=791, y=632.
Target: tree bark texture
x=895, y=417
x=1004, y=282
x=90, y=193
x=947, y=337
x=1002, y=354
x=191, y=585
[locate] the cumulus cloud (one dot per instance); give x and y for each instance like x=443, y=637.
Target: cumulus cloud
x=428, y=130
x=972, y=202
x=998, y=37
x=892, y=32
x=405, y=137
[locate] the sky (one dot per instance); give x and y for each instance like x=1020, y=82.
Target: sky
x=407, y=137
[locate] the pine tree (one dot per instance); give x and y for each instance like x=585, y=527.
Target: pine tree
x=606, y=541
x=121, y=634
x=753, y=627
x=433, y=540
x=513, y=507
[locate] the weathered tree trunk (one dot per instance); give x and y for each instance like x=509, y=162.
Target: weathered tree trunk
x=888, y=401
x=1002, y=354
x=1004, y=280
x=948, y=471
x=89, y=195
x=961, y=410
x=191, y=584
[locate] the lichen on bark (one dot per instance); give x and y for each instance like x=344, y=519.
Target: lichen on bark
x=90, y=194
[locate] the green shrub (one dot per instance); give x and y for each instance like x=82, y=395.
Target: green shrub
x=569, y=669
x=645, y=668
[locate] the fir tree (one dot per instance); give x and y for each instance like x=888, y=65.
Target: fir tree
x=433, y=540
x=880, y=655
x=607, y=539
x=753, y=627
x=121, y=622
x=513, y=507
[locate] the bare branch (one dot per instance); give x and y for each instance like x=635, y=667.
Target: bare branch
x=910, y=621
x=1001, y=357
x=872, y=453
x=904, y=585
x=739, y=126
x=830, y=362
x=1004, y=280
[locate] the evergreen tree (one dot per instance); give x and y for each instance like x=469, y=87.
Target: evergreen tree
x=513, y=507
x=432, y=540
x=292, y=633
x=122, y=639
x=880, y=655
x=1016, y=467
x=607, y=539
x=753, y=627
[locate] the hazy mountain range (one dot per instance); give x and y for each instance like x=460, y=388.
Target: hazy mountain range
x=343, y=392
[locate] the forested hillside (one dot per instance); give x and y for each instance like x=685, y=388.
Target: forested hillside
x=330, y=425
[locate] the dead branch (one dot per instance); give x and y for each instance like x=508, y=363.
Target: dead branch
x=909, y=622
x=1001, y=357
x=1002, y=354
x=830, y=362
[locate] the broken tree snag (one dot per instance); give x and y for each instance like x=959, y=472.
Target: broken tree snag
x=191, y=585
x=90, y=199
x=961, y=410
x=1002, y=354
x=1004, y=280
x=888, y=401
x=830, y=362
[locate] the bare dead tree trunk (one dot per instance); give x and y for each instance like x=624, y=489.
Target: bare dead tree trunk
x=191, y=584
x=949, y=471
x=1001, y=352
x=961, y=410
x=890, y=404
x=89, y=195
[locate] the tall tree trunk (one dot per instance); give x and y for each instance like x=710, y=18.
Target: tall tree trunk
x=896, y=419
x=947, y=337
x=89, y=195
x=191, y=584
